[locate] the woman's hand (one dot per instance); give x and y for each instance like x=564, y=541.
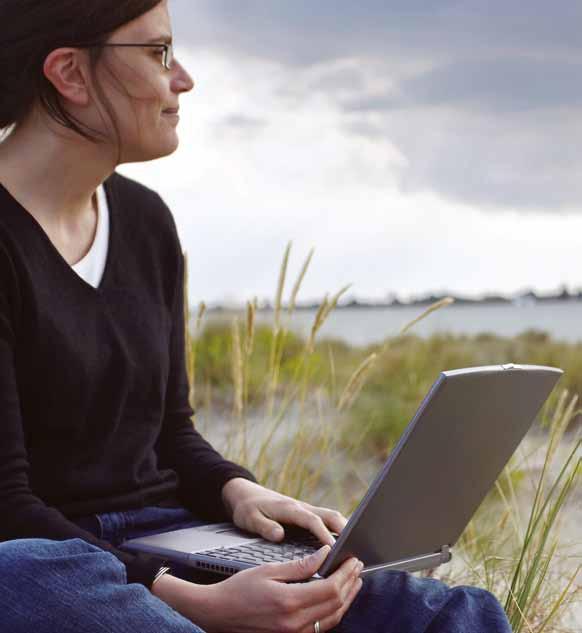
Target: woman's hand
x=260, y=511
x=259, y=600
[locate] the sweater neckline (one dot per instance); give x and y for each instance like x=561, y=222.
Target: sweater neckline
x=57, y=254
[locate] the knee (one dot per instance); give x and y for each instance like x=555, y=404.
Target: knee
x=26, y=558
x=475, y=596
x=477, y=608
x=17, y=553
x=40, y=547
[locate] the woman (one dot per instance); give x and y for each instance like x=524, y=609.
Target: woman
x=96, y=442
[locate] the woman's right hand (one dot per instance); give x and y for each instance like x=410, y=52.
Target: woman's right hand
x=271, y=598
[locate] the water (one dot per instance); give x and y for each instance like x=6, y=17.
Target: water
x=562, y=320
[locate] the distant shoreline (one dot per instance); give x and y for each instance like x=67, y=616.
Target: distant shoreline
x=363, y=324
x=529, y=298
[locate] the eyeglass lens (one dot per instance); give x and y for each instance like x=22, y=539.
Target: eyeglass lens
x=169, y=56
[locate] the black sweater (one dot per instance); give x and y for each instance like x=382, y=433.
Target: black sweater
x=94, y=411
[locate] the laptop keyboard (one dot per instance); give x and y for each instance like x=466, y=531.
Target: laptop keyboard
x=266, y=552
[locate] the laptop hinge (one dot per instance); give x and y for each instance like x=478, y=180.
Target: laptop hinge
x=416, y=563
x=446, y=553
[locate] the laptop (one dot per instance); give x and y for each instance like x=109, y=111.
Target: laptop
x=449, y=456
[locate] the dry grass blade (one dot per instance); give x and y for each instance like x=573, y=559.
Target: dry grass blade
x=250, y=333
x=281, y=287
x=191, y=349
x=523, y=619
x=560, y=602
x=332, y=371
x=561, y=425
x=323, y=312
x=443, y=303
x=334, y=301
x=317, y=323
x=356, y=382
x=200, y=316
x=511, y=507
x=237, y=369
x=278, y=337
x=297, y=286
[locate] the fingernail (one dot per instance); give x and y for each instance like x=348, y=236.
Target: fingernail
x=360, y=565
x=321, y=550
x=277, y=533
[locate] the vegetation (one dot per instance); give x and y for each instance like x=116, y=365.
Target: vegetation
x=396, y=379
x=314, y=419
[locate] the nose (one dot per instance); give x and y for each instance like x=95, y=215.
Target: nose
x=181, y=81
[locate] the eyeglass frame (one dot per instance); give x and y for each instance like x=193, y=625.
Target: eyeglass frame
x=168, y=50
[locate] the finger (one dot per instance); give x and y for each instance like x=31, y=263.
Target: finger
x=334, y=520
x=330, y=622
x=300, y=569
x=296, y=514
x=265, y=526
x=328, y=590
x=335, y=607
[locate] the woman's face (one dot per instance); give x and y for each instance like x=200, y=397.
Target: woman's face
x=147, y=89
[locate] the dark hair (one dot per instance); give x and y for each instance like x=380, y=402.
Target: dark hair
x=31, y=29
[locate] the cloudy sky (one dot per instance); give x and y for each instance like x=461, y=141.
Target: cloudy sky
x=417, y=146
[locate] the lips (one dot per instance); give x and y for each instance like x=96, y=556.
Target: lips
x=171, y=111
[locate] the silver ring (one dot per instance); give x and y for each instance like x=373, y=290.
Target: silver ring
x=316, y=627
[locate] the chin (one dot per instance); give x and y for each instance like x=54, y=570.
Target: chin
x=142, y=155
x=167, y=152
x=169, y=147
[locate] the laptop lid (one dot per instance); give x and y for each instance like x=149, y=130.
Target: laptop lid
x=461, y=437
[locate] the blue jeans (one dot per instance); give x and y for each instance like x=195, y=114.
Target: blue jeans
x=74, y=587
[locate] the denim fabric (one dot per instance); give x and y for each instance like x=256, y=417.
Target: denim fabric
x=115, y=527
x=74, y=587
x=397, y=602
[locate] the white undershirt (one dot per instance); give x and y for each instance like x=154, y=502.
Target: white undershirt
x=91, y=267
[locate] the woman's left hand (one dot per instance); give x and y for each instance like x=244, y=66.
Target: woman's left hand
x=259, y=510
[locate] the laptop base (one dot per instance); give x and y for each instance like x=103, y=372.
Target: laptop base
x=416, y=563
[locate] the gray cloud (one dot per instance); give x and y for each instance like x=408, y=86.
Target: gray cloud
x=244, y=122
x=519, y=161
x=305, y=32
x=240, y=126
x=498, y=85
x=484, y=100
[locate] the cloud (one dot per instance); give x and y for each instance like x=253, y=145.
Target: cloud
x=518, y=161
x=242, y=121
x=482, y=102
x=501, y=85
x=239, y=126
x=304, y=32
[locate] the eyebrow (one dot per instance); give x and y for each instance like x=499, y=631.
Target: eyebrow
x=164, y=39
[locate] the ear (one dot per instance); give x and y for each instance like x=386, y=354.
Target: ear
x=65, y=68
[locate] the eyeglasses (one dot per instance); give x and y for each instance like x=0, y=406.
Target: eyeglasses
x=167, y=57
